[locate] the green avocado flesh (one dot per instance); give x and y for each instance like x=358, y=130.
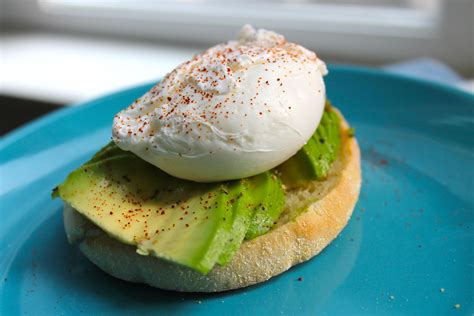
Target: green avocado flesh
x=313, y=161
x=193, y=224
x=269, y=208
x=197, y=225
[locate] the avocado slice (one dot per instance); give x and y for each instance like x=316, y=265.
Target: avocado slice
x=313, y=161
x=139, y=204
x=265, y=197
x=240, y=198
x=109, y=151
x=269, y=200
x=189, y=223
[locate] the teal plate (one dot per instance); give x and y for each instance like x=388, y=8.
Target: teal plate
x=408, y=248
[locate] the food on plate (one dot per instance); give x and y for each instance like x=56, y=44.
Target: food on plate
x=229, y=171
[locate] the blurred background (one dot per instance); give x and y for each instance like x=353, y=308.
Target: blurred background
x=60, y=52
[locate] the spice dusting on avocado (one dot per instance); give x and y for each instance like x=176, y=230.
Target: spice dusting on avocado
x=197, y=225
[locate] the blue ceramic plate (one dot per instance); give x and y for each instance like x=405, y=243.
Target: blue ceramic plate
x=408, y=248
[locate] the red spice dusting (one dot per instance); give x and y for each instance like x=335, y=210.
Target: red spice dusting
x=201, y=83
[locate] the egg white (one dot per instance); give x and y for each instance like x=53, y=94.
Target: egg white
x=249, y=111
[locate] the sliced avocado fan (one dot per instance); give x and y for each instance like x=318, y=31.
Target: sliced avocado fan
x=192, y=224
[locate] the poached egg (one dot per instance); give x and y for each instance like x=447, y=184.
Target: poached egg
x=238, y=109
